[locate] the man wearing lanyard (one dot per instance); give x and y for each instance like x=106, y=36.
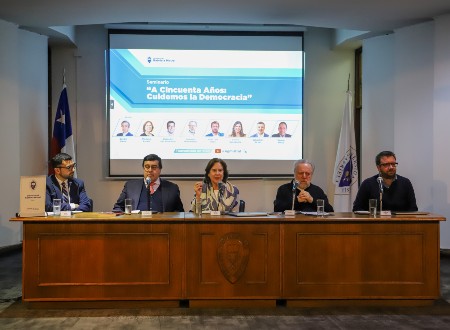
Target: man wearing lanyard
x=62, y=185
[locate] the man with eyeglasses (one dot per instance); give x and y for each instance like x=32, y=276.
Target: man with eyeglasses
x=150, y=193
x=62, y=185
x=397, y=191
x=306, y=193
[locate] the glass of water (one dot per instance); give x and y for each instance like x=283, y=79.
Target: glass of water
x=56, y=206
x=373, y=207
x=128, y=205
x=320, y=207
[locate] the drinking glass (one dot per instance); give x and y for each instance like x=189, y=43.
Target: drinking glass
x=128, y=205
x=373, y=207
x=56, y=206
x=320, y=207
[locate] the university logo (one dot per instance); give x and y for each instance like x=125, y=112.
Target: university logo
x=346, y=172
x=232, y=256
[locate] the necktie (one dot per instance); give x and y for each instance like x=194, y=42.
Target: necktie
x=65, y=193
x=152, y=189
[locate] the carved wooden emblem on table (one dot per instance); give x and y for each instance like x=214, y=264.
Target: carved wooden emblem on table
x=232, y=256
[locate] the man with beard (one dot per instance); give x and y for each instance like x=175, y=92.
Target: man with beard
x=306, y=193
x=397, y=191
x=62, y=185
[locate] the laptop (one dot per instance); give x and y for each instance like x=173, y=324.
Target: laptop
x=247, y=214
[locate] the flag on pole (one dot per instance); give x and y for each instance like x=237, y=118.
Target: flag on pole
x=345, y=175
x=62, y=140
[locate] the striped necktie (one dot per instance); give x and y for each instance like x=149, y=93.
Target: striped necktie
x=65, y=193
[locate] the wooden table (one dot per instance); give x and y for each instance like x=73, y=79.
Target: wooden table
x=100, y=259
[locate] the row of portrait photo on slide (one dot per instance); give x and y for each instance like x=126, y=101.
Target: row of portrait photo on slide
x=200, y=128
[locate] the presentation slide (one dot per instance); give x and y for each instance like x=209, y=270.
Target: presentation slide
x=190, y=105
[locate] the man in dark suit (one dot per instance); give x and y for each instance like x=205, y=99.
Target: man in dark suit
x=260, y=130
x=282, y=128
x=62, y=185
x=125, y=125
x=151, y=193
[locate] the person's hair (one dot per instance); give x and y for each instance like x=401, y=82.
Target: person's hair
x=211, y=164
x=192, y=121
x=383, y=154
x=152, y=157
x=169, y=122
x=125, y=121
x=59, y=158
x=215, y=122
x=283, y=123
x=143, y=126
x=260, y=122
x=303, y=161
x=233, y=133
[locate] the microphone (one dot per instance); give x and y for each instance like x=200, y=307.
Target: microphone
x=221, y=190
x=148, y=180
x=294, y=188
x=380, y=183
x=204, y=186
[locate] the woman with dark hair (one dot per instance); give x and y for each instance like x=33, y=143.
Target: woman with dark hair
x=237, y=130
x=215, y=193
x=147, y=128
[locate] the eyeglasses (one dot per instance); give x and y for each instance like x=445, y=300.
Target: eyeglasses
x=389, y=165
x=69, y=167
x=151, y=167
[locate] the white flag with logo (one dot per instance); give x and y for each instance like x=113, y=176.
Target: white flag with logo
x=345, y=175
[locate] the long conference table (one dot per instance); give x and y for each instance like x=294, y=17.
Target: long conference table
x=180, y=259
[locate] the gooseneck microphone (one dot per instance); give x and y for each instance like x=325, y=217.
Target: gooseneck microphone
x=221, y=190
x=380, y=185
x=148, y=180
x=295, y=184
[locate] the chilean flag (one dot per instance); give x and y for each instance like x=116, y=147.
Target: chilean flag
x=62, y=140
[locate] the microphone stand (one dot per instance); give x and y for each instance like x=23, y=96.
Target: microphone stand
x=380, y=181
x=150, y=197
x=294, y=187
x=221, y=186
x=381, y=201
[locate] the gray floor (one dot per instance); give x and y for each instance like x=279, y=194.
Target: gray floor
x=13, y=315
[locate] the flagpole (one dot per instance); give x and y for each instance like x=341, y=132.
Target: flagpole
x=345, y=174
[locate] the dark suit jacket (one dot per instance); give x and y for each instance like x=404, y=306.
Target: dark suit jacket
x=132, y=189
x=121, y=134
x=278, y=135
x=77, y=194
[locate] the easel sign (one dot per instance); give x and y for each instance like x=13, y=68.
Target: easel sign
x=32, y=196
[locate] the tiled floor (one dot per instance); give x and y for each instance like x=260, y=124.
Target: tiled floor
x=13, y=314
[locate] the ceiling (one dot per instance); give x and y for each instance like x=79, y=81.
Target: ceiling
x=364, y=15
